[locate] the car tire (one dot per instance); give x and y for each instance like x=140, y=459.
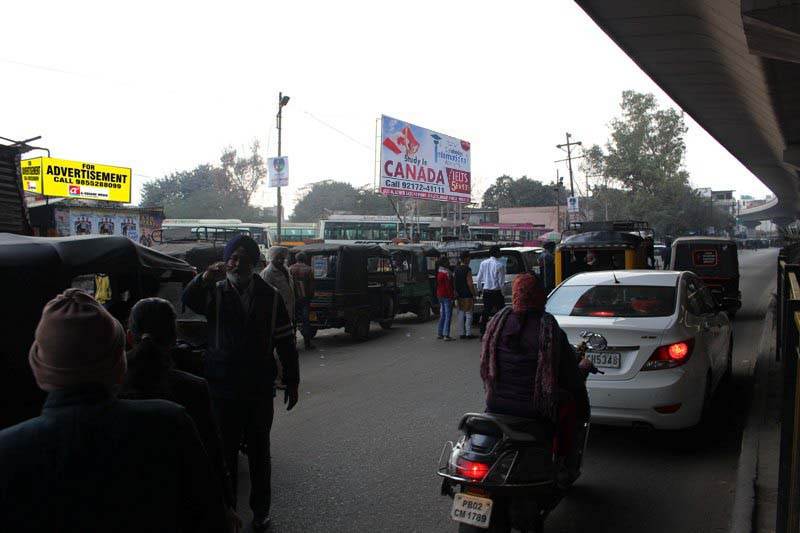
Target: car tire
x=728, y=376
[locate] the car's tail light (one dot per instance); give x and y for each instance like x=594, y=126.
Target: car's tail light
x=602, y=313
x=471, y=469
x=670, y=355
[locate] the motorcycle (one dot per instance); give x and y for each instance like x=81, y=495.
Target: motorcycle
x=502, y=472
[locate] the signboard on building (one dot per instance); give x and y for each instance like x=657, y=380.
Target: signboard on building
x=49, y=176
x=573, y=204
x=278, y=171
x=420, y=163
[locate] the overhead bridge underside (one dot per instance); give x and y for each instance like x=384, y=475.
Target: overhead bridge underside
x=734, y=66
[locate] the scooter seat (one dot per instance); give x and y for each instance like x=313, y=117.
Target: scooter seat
x=516, y=429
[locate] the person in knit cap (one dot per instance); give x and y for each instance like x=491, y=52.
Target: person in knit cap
x=247, y=322
x=85, y=462
x=529, y=368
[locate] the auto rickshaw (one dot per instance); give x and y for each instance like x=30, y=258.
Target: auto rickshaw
x=36, y=269
x=621, y=245
x=354, y=284
x=415, y=267
x=715, y=260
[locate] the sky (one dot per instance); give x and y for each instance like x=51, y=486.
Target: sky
x=165, y=86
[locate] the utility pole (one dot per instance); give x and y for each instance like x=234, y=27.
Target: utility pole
x=557, y=189
x=569, y=144
x=282, y=101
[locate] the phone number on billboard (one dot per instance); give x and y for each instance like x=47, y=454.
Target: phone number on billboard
x=423, y=187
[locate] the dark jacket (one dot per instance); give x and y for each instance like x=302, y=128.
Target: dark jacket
x=517, y=359
x=239, y=362
x=150, y=376
x=92, y=462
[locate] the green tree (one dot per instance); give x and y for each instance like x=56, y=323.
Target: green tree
x=523, y=192
x=322, y=198
x=210, y=191
x=639, y=174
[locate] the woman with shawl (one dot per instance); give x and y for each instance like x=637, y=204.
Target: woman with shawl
x=530, y=370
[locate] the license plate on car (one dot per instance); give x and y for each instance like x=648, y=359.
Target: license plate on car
x=472, y=510
x=604, y=359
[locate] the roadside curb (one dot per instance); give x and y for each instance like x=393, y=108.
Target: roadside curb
x=744, y=501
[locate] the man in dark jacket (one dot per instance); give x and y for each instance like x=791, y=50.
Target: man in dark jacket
x=92, y=462
x=247, y=320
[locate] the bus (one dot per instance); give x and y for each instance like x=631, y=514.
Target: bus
x=213, y=229
x=526, y=234
x=351, y=229
x=293, y=233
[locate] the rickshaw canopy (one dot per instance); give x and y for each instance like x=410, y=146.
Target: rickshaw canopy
x=68, y=257
x=706, y=256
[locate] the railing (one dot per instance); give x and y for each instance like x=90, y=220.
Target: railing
x=787, y=351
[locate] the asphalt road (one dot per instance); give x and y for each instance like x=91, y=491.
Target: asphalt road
x=359, y=452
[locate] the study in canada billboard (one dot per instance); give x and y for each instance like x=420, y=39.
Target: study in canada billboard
x=420, y=163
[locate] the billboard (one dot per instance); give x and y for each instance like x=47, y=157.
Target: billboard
x=278, y=171
x=420, y=163
x=49, y=176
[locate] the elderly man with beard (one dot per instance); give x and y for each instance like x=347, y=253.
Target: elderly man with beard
x=247, y=320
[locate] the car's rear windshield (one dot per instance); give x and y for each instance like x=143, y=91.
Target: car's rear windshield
x=612, y=301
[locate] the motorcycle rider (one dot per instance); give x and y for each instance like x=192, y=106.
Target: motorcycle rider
x=530, y=370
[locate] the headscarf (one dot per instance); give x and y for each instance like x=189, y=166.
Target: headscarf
x=77, y=342
x=244, y=241
x=527, y=295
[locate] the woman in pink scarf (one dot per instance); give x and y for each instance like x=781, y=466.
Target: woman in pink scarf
x=529, y=368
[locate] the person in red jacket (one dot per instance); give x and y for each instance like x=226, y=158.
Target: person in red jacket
x=445, y=294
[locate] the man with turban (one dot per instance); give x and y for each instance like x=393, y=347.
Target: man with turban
x=92, y=462
x=247, y=322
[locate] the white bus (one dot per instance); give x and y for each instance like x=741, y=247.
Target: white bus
x=350, y=229
x=209, y=229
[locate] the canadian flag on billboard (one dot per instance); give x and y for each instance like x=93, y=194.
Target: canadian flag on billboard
x=404, y=139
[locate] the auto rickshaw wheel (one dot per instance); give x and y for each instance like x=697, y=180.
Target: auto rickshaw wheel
x=388, y=309
x=360, y=328
x=424, y=310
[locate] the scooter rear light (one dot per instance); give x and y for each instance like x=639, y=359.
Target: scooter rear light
x=670, y=355
x=471, y=469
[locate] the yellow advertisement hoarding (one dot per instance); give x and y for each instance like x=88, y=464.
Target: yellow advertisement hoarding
x=49, y=176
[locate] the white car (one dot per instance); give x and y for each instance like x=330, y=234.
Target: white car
x=669, y=344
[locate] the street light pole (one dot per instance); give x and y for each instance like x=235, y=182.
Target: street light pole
x=282, y=101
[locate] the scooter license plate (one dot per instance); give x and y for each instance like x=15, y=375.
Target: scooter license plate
x=312, y=316
x=472, y=510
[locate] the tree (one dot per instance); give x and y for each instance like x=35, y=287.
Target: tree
x=640, y=174
x=210, y=191
x=322, y=198
x=523, y=192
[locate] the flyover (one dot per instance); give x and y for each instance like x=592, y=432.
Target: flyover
x=734, y=67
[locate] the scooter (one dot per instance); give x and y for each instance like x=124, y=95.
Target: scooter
x=502, y=473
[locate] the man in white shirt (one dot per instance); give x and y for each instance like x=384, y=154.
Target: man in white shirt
x=490, y=280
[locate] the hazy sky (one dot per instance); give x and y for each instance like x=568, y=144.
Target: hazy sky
x=164, y=86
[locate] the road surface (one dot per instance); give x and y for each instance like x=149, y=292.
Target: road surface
x=359, y=451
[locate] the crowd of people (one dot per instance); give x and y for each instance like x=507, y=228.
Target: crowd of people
x=128, y=441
